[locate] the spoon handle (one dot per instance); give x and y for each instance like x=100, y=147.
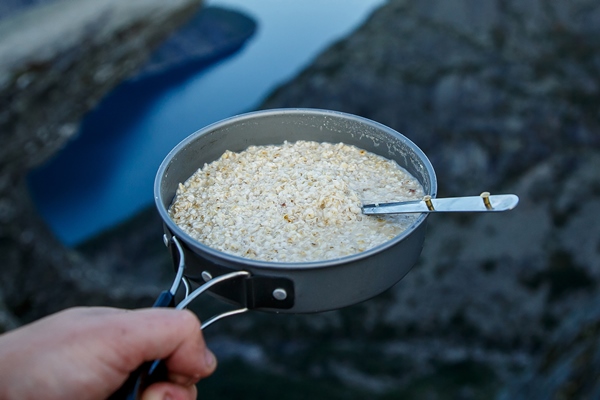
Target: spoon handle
x=482, y=203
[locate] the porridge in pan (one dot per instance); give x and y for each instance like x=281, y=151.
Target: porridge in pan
x=295, y=202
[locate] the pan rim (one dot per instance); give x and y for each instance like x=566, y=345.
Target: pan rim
x=232, y=259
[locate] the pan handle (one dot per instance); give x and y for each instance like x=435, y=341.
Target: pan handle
x=156, y=371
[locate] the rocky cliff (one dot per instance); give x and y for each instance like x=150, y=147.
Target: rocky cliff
x=56, y=61
x=503, y=96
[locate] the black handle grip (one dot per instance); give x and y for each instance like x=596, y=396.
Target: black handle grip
x=149, y=372
x=165, y=299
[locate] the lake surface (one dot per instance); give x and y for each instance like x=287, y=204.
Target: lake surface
x=106, y=174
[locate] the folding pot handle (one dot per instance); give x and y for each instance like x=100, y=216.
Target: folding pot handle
x=156, y=371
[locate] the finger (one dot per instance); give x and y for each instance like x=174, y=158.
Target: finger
x=164, y=390
x=210, y=362
x=166, y=334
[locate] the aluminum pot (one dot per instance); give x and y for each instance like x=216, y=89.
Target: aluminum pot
x=298, y=287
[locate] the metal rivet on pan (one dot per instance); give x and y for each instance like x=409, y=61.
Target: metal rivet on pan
x=206, y=276
x=280, y=294
x=165, y=240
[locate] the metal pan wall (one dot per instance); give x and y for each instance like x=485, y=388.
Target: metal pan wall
x=311, y=286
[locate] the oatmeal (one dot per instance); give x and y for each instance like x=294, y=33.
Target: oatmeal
x=294, y=202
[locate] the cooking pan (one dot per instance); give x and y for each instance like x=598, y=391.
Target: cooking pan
x=295, y=287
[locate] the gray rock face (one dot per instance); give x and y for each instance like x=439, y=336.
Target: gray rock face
x=56, y=62
x=486, y=90
x=106, y=40
x=568, y=369
x=502, y=96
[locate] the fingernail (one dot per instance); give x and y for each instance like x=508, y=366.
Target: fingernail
x=157, y=395
x=210, y=359
x=183, y=380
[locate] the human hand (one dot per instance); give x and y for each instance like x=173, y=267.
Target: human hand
x=89, y=353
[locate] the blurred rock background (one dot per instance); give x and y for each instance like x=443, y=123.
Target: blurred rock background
x=502, y=96
x=58, y=59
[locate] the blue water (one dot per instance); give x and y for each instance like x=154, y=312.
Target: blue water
x=106, y=174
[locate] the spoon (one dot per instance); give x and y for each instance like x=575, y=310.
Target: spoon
x=482, y=203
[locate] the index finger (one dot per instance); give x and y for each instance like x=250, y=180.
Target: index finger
x=160, y=333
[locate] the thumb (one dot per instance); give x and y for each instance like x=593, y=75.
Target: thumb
x=169, y=391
